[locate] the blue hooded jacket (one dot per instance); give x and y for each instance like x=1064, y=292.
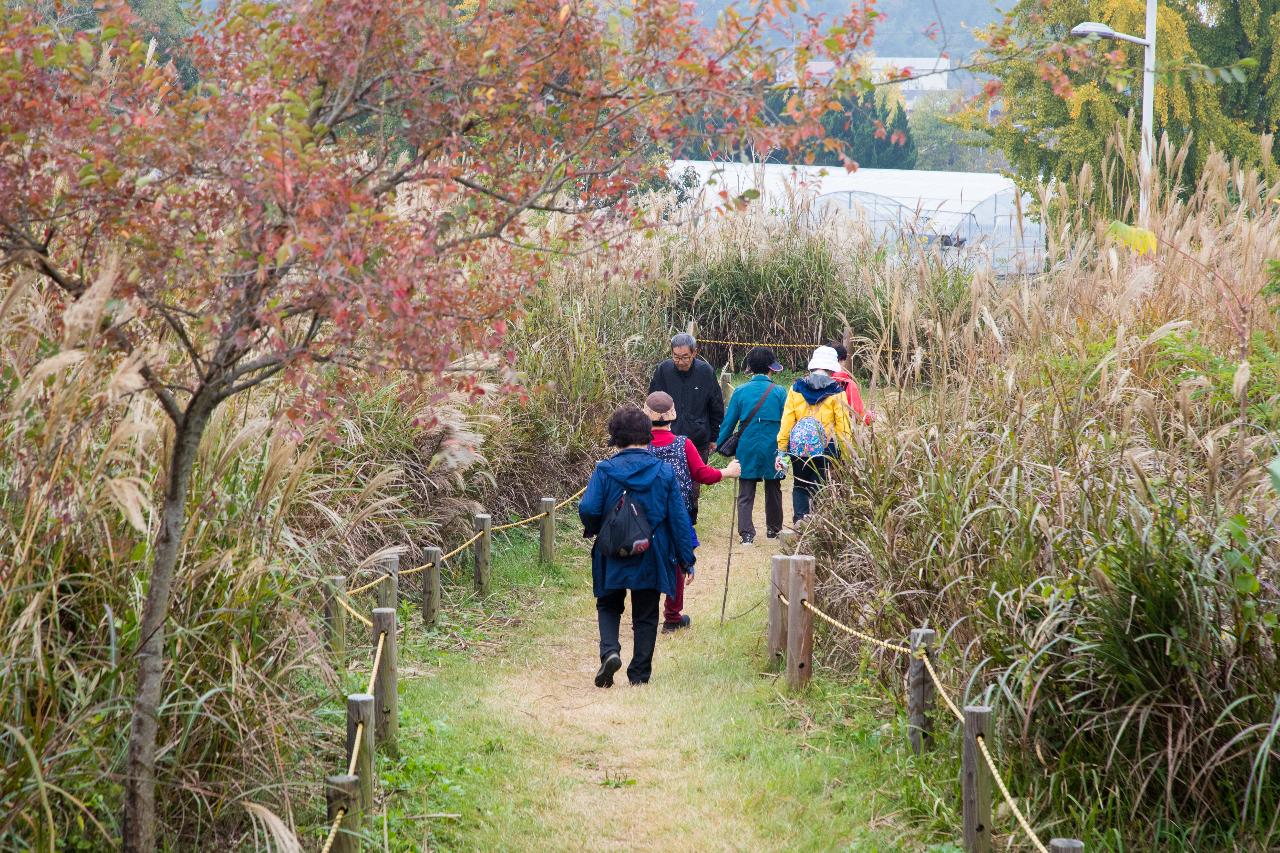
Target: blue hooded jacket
x=653, y=486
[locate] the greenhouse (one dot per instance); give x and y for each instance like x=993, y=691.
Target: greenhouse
x=978, y=218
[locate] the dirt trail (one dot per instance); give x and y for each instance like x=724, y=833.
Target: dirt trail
x=633, y=765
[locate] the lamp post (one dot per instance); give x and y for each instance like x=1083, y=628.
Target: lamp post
x=1096, y=30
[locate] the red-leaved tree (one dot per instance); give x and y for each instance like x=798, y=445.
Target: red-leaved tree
x=337, y=189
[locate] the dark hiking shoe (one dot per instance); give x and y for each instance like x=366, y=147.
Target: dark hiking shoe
x=611, y=664
x=672, y=627
x=772, y=534
x=748, y=539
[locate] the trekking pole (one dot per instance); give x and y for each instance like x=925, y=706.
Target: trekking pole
x=733, y=517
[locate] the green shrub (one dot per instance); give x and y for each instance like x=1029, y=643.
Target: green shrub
x=1189, y=359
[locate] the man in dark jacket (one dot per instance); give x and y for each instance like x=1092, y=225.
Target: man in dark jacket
x=692, y=384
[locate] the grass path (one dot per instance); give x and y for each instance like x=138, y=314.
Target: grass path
x=507, y=744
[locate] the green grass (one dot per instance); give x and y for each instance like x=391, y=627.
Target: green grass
x=827, y=772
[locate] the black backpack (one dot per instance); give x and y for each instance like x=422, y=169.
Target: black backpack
x=626, y=531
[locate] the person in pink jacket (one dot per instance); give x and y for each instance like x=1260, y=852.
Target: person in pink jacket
x=852, y=395
x=680, y=453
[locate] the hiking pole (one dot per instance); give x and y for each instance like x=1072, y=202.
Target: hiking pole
x=733, y=518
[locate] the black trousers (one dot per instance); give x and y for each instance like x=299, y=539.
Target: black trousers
x=747, y=505
x=644, y=628
x=811, y=475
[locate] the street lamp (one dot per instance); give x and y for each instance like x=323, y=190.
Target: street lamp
x=1093, y=29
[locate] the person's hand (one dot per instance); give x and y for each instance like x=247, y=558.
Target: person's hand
x=779, y=463
x=733, y=469
x=712, y=449
x=688, y=578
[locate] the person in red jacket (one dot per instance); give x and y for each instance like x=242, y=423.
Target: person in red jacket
x=852, y=395
x=683, y=457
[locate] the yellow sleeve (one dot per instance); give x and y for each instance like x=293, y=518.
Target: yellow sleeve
x=789, y=418
x=843, y=422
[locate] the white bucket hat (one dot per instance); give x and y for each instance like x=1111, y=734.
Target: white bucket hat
x=824, y=358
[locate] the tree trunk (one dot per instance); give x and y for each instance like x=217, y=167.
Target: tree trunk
x=140, y=778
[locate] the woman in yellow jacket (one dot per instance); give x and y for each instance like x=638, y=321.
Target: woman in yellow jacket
x=816, y=427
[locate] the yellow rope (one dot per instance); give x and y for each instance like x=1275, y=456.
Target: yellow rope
x=333, y=831
x=843, y=627
x=343, y=601
x=512, y=524
x=355, y=750
x=754, y=344
x=456, y=551
x=928, y=664
x=1004, y=791
x=377, y=660
x=368, y=586
x=572, y=498
x=937, y=683
x=464, y=546
x=416, y=569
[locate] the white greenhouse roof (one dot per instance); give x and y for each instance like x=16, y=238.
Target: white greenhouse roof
x=779, y=184
x=974, y=215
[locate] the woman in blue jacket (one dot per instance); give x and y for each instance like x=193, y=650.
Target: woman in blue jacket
x=651, y=484
x=758, y=445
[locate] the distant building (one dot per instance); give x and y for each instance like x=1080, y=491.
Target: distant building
x=919, y=76
x=926, y=73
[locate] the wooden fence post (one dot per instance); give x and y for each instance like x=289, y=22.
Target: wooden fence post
x=547, y=532
x=340, y=795
x=335, y=618
x=779, y=581
x=799, y=622
x=483, y=548
x=920, y=692
x=360, y=710
x=976, y=781
x=431, y=586
x=387, y=593
x=386, y=715
x=1065, y=845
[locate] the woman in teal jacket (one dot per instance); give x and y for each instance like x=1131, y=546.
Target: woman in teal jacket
x=758, y=445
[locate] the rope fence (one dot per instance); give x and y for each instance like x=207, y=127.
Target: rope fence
x=354, y=762
x=1008, y=798
x=464, y=546
x=355, y=614
x=372, y=716
x=702, y=341
x=333, y=831
x=377, y=662
x=367, y=586
x=790, y=639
